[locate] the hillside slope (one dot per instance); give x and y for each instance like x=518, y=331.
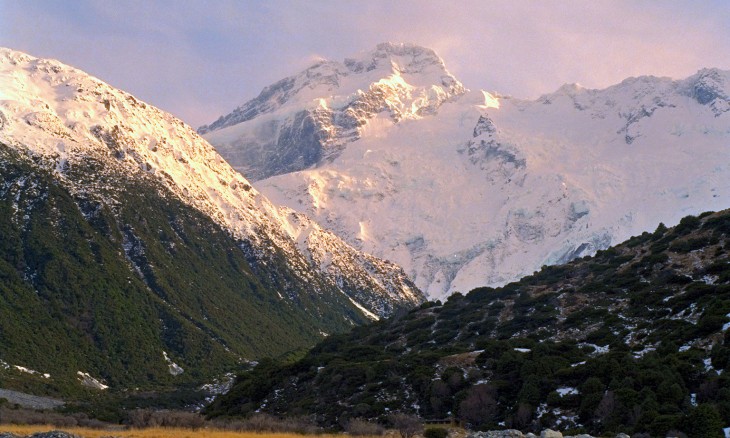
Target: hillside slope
x=635, y=339
x=106, y=289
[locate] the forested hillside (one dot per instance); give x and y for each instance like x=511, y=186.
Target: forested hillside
x=635, y=339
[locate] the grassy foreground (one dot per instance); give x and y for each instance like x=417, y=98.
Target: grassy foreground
x=148, y=433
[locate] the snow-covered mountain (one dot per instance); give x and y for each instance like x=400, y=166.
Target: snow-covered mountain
x=469, y=188
x=63, y=118
x=308, y=119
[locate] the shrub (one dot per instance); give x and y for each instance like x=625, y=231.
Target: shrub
x=141, y=418
x=406, y=425
x=360, y=427
x=704, y=421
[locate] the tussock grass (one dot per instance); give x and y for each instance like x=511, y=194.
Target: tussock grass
x=151, y=432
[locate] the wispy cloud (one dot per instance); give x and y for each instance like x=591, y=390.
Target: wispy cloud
x=199, y=59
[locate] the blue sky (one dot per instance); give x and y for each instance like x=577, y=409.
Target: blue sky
x=201, y=59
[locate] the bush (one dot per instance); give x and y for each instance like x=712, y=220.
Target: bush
x=406, y=425
x=18, y=415
x=704, y=421
x=360, y=427
x=142, y=418
x=265, y=423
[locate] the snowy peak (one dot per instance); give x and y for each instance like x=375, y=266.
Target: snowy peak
x=418, y=66
x=398, y=58
x=306, y=120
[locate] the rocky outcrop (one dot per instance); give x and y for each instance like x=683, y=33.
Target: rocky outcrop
x=547, y=433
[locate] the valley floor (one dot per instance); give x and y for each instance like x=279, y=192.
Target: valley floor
x=25, y=430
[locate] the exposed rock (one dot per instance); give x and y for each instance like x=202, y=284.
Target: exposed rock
x=484, y=124
x=29, y=401
x=509, y=433
x=549, y=433
x=54, y=434
x=709, y=85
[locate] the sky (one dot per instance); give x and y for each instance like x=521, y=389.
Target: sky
x=201, y=59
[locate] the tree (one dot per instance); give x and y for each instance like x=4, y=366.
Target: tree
x=704, y=421
x=606, y=407
x=480, y=405
x=523, y=416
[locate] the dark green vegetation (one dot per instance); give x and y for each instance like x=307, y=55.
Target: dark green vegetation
x=633, y=340
x=104, y=278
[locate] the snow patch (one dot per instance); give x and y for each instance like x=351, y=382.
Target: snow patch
x=708, y=364
x=173, y=368
x=367, y=313
x=91, y=382
x=596, y=349
x=30, y=371
x=567, y=391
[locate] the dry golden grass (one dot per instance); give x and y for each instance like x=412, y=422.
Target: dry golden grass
x=151, y=432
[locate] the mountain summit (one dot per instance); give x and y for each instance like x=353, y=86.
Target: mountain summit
x=307, y=119
x=470, y=188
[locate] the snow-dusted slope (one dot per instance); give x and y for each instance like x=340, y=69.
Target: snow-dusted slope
x=483, y=189
x=61, y=116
